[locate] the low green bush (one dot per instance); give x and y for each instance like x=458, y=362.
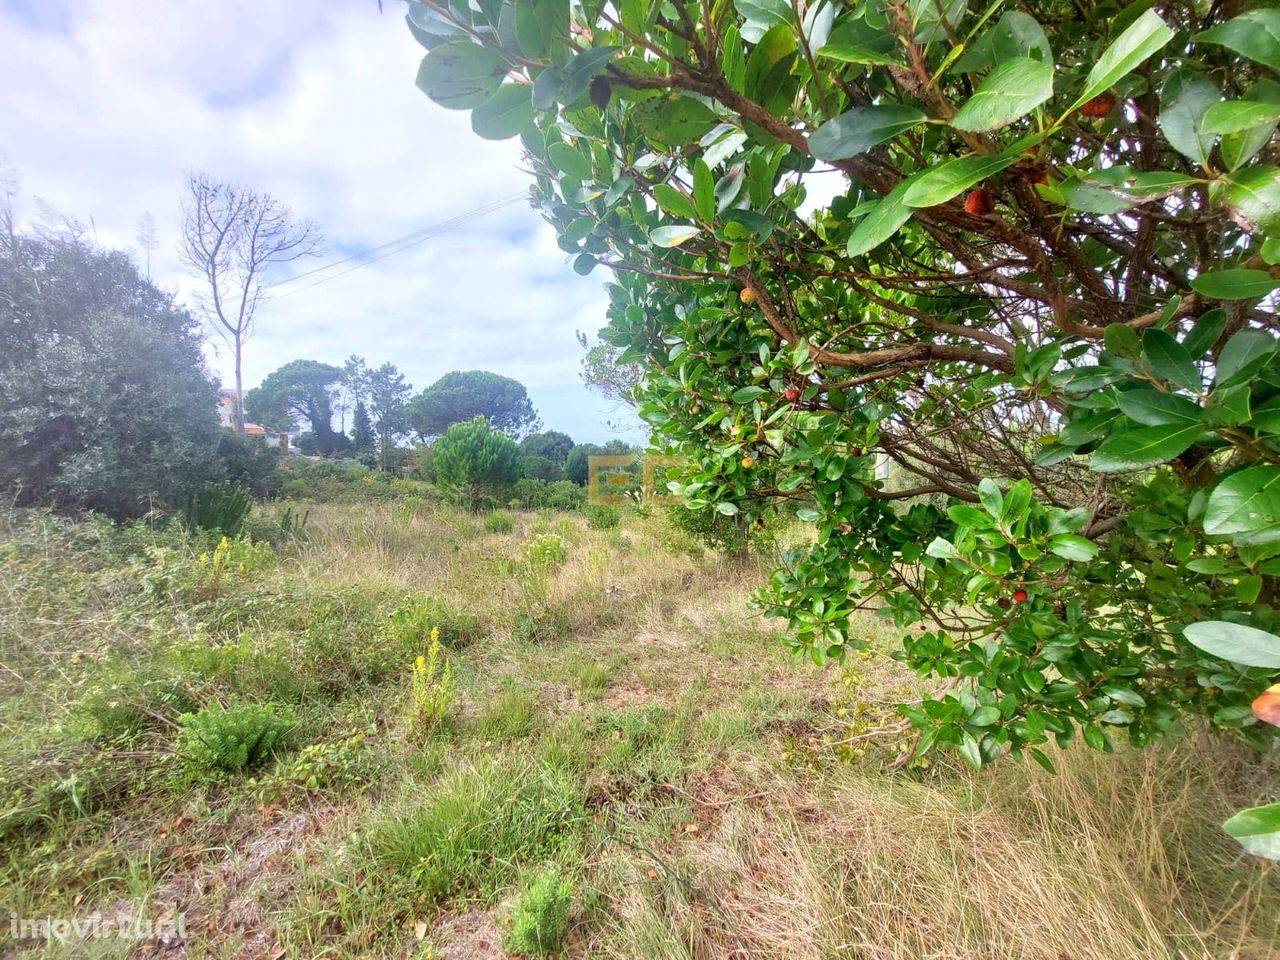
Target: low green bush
x=433, y=689
x=546, y=550
x=344, y=481
x=540, y=921
x=123, y=700
x=534, y=494
x=234, y=737
x=499, y=521
x=603, y=516
x=218, y=507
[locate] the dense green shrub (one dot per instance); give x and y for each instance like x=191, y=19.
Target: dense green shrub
x=234, y=737
x=344, y=481
x=218, y=508
x=249, y=462
x=105, y=402
x=540, y=920
x=1044, y=285
x=603, y=516
x=534, y=494
x=540, y=468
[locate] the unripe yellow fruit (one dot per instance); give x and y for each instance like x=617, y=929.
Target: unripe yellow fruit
x=747, y=296
x=747, y=463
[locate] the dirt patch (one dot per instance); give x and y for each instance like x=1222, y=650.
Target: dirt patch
x=474, y=935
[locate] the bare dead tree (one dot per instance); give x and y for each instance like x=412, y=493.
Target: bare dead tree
x=148, y=237
x=231, y=237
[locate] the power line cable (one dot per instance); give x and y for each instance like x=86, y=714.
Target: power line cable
x=398, y=245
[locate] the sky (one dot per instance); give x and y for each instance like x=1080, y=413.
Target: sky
x=108, y=103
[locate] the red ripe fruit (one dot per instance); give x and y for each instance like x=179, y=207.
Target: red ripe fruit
x=792, y=394
x=1099, y=106
x=978, y=202
x=1020, y=596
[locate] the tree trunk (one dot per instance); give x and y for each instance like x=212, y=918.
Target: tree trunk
x=239, y=405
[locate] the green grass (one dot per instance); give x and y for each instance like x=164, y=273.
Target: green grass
x=620, y=722
x=469, y=833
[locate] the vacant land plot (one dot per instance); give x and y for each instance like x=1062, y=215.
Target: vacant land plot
x=608, y=756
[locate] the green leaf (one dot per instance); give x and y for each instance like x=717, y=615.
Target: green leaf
x=983, y=716
x=747, y=394
x=1145, y=447
x=970, y=751
x=885, y=218
x=1254, y=34
x=1258, y=830
x=539, y=25
x=1121, y=340
x=1235, y=116
x=1255, y=195
x=546, y=87
x=704, y=190
x=1243, y=355
x=1169, y=361
x=1144, y=37
x=673, y=236
x=764, y=12
x=1235, y=643
x=1072, y=547
x=1235, y=284
x=726, y=508
x=674, y=202
x=508, y=113
x=966, y=516
x=461, y=75
x=583, y=264
x=858, y=130
x=1205, y=333
x=1009, y=92
x=1244, y=501
x=990, y=496
x=1016, y=35
x=569, y=160
x=945, y=181
x=856, y=41
x=938, y=547
x=1152, y=408
x=1042, y=758
x=1184, y=100
x=674, y=120
x=1239, y=148
x=769, y=66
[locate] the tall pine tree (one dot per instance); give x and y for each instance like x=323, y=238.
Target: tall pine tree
x=361, y=430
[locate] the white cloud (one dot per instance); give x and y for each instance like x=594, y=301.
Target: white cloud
x=109, y=102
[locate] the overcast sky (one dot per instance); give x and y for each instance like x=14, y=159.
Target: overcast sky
x=106, y=103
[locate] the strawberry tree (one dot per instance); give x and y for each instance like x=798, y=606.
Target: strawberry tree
x=1027, y=253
